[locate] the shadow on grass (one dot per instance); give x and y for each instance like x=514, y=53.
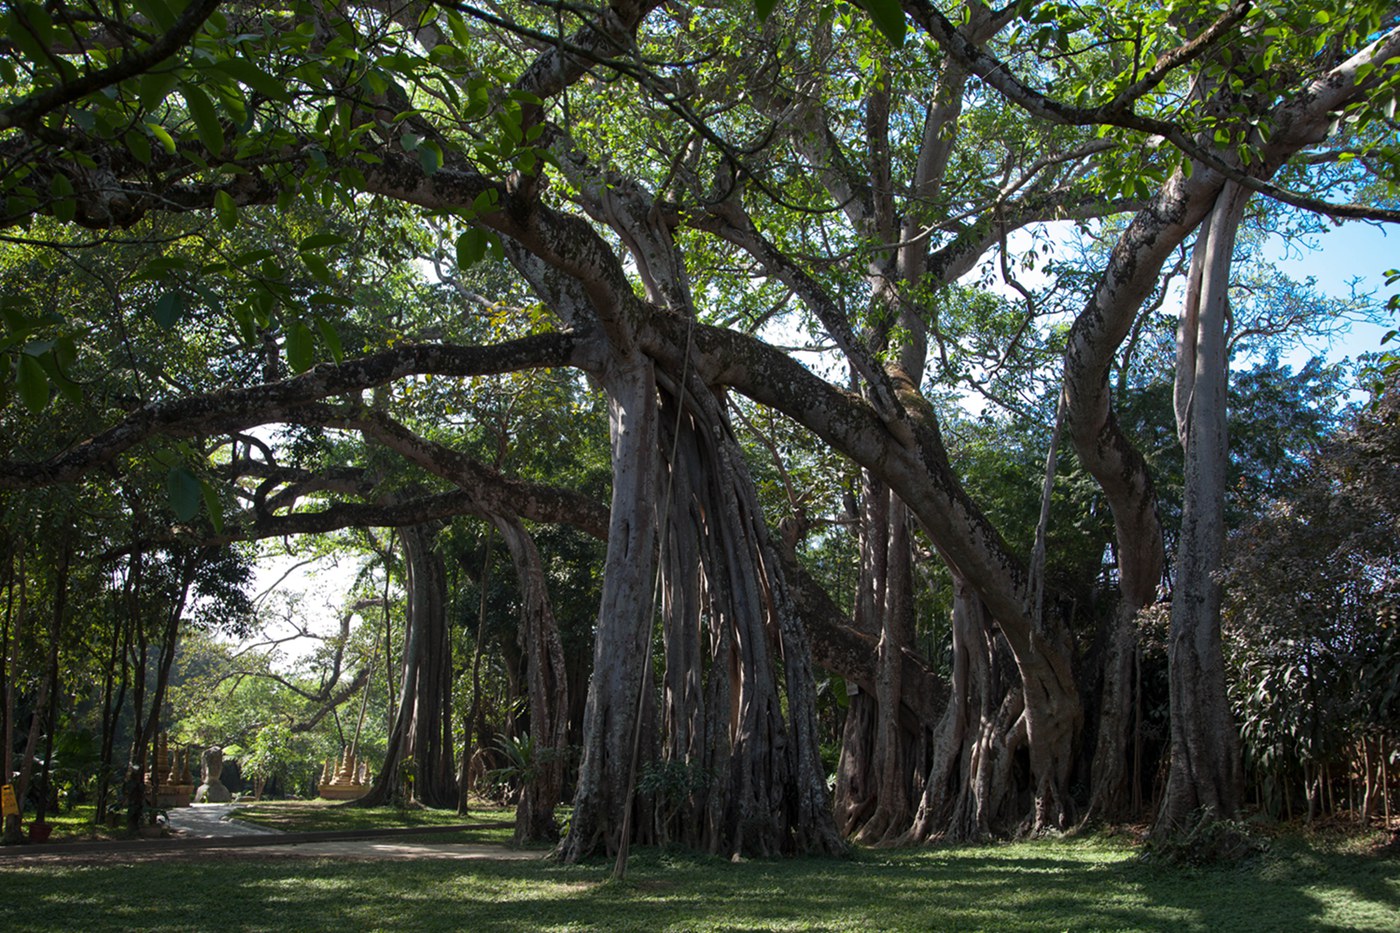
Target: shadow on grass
x=1053, y=885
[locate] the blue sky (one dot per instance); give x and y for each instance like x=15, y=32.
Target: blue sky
x=1354, y=253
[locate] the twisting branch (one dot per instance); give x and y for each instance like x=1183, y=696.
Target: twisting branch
x=236, y=409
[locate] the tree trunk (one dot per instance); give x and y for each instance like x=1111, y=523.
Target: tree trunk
x=145, y=730
x=547, y=689
x=12, y=646
x=1116, y=755
x=745, y=774
x=60, y=607
x=971, y=793
x=418, y=763
x=465, y=776
x=1205, y=776
x=112, y=704
x=610, y=719
x=893, y=751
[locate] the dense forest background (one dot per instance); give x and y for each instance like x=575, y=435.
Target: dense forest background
x=755, y=426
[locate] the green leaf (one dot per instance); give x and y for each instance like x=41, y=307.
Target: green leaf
x=138, y=145
x=19, y=325
x=65, y=386
x=300, y=347
x=321, y=241
x=227, y=210
x=163, y=265
x=157, y=11
x=206, y=118
x=330, y=338
x=186, y=493
x=764, y=8
x=168, y=310
x=842, y=693
x=318, y=267
x=252, y=256
x=163, y=135
x=32, y=383
x=155, y=87
x=213, y=506
x=430, y=156
x=471, y=247
x=64, y=207
x=249, y=74
x=889, y=19
x=486, y=201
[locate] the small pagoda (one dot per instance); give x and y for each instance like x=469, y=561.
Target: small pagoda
x=345, y=778
x=169, y=783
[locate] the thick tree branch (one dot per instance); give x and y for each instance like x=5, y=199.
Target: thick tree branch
x=236, y=409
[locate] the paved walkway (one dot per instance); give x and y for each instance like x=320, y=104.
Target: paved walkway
x=212, y=821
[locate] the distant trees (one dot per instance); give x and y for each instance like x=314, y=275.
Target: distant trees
x=1313, y=631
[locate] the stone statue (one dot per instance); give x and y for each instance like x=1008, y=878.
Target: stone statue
x=211, y=766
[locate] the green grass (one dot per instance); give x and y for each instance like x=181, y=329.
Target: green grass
x=321, y=815
x=78, y=824
x=1082, y=884
x=312, y=816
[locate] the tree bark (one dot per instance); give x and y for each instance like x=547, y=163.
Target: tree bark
x=547, y=689
x=418, y=762
x=971, y=793
x=1205, y=779
x=610, y=719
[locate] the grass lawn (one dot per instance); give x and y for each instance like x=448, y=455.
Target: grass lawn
x=79, y=823
x=318, y=815
x=1083, y=884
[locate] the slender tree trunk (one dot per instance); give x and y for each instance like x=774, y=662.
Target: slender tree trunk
x=60, y=607
x=547, y=690
x=1205, y=777
x=146, y=733
x=13, y=641
x=31, y=745
x=419, y=759
x=464, y=774
x=112, y=705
